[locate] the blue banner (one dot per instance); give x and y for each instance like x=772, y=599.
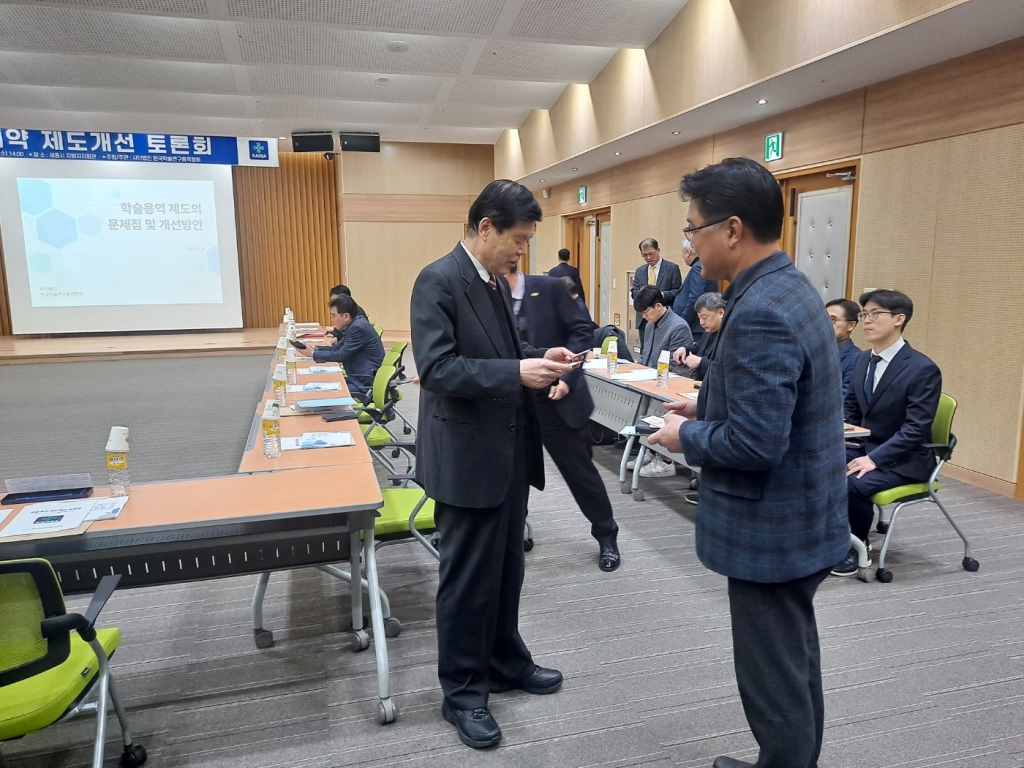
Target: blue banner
x=136, y=147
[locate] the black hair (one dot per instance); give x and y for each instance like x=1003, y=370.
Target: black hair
x=570, y=285
x=649, y=241
x=340, y=290
x=647, y=297
x=345, y=305
x=850, y=308
x=892, y=301
x=741, y=187
x=505, y=203
x=564, y=254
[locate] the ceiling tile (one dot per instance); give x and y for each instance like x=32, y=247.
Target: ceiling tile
x=153, y=102
x=621, y=23
x=177, y=7
x=108, y=72
x=470, y=17
x=451, y=135
x=543, y=61
x=125, y=122
x=337, y=111
x=349, y=49
x=476, y=117
x=61, y=30
x=333, y=84
x=511, y=93
x=23, y=96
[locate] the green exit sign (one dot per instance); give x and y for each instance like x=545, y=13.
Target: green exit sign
x=773, y=147
x=582, y=194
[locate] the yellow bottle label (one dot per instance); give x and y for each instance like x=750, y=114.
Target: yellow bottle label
x=117, y=460
x=662, y=367
x=271, y=427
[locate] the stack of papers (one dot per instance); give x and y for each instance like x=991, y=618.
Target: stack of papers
x=317, y=440
x=321, y=368
x=315, y=386
x=595, y=365
x=54, y=517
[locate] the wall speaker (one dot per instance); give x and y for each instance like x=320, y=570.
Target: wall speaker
x=313, y=141
x=360, y=142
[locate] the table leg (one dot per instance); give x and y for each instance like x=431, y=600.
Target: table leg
x=264, y=638
x=625, y=459
x=380, y=647
x=338, y=573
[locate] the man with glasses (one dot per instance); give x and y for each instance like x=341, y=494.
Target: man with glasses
x=358, y=347
x=894, y=393
x=843, y=314
x=767, y=433
x=661, y=273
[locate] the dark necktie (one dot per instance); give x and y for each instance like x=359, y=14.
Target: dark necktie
x=492, y=283
x=869, y=382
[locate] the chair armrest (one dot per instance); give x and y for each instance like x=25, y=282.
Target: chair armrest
x=59, y=625
x=943, y=450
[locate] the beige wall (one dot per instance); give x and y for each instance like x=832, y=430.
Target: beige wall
x=400, y=210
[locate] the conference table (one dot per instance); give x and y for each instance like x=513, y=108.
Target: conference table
x=620, y=403
x=309, y=507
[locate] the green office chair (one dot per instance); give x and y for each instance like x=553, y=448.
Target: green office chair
x=942, y=444
x=376, y=414
x=398, y=348
x=407, y=514
x=604, y=344
x=53, y=664
x=379, y=330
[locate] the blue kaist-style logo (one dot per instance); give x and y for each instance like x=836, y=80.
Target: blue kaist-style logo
x=258, y=150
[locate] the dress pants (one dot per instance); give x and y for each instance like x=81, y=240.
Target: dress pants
x=480, y=578
x=573, y=454
x=778, y=668
x=860, y=490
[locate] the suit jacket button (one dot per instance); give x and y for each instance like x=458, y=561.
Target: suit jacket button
x=511, y=427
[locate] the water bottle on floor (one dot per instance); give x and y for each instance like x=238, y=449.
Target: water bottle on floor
x=272, y=430
x=663, y=369
x=289, y=365
x=117, y=461
x=613, y=357
x=280, y=385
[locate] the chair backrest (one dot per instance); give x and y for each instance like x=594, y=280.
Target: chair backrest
x=604, y=344
x=379, y=330
x=29, y=593
x=390, y=359
x=942, y=426
x=381, y=382
x=399, y=347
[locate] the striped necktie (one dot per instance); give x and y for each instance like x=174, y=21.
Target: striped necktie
x=492, y=283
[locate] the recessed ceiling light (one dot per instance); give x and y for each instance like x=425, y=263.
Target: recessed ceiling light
x=575, y=169
x=762, y=101
x=398, y=46
x=282, y=138
x=617, y=154
x=383, y=80
x=542, y=181
x=675, y=133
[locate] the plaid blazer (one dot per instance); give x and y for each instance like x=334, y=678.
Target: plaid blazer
x=769, y=433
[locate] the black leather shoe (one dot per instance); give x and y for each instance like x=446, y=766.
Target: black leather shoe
x=731, y=762
x=608, y=558
x=541, y=681
x=847, y=566
x=476, y=727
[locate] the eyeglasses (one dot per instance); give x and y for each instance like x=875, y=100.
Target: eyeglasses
x=839, y=320
x=873, y=314
x=688, y=232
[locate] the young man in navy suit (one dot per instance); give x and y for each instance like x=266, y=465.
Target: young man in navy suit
x=894, y=393
x=565, y=269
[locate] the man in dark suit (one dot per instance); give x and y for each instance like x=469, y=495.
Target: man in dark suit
x=656, y=271
x=547, y=317
x=894, y=393
x=358, y=347
x=565, y=269
x=844, y=313
x=694, y=286
x=478, y=451
x=772, y=510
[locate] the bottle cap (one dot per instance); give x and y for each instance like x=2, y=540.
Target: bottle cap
x=275, y=409
x=118, y=440
x=663, y=357
x=279, y=374
x=289, y=356
x=282, y=343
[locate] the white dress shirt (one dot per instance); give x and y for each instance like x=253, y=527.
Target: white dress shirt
x=887, y=355
x=484, y=274
x=518, y=294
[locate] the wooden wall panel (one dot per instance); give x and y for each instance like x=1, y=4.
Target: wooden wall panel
x=564, y=197
x=660, y=173
x=404, y=168
x=976, y=92
x=287, y=238
x=550, y=237
x=5, y=302
x=418, y=208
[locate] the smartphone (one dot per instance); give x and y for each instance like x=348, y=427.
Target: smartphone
x=30, y=497
x=297, y=344
x=576, y=364
x=339, y=416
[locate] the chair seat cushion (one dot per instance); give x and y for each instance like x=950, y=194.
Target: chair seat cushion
x=376, y=436
x=41, y=700
x=902, y=493
x=398, y=505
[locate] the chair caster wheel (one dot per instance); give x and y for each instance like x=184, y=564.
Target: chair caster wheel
x=395, y=453
x=392, y=627
x=527, y=545
x=626, y=488
x=133, y=756
x=865, y=575
x=396, y=483
x=360, y=640
x=694, y=482
x=970, y=564
x=406, y=430
x=264, y=638
x=881, y=527
x=386, y=712
x=638, y=495
x=884, y=575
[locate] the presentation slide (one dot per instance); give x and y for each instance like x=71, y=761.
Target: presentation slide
x=109, y=246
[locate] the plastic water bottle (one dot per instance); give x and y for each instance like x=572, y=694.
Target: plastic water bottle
x=282, y=347
x=117, y=461
x=283, y=326
x=280, y=385
x=289, y=365
x=613, y=358
x=272, y=430
x=290, y=335
x=663, y=369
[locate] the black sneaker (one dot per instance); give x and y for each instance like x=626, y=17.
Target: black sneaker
x=847, y=566
x=691, y=497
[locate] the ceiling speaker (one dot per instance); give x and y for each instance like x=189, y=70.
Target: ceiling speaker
x=313, y=141
x=360, y=142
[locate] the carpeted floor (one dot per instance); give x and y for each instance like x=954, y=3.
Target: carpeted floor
x=925, y=671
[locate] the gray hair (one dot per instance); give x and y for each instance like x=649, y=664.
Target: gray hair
x=688, y=246
x=709, y=301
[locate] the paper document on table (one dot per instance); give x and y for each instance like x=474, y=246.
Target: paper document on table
x=48, y=518
x=315, y=386
x=325, y=368
x=3, y=514
x=688, y=395
x=107, y=509
x=643, y=374
x=317, y=440
x=595, y=365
